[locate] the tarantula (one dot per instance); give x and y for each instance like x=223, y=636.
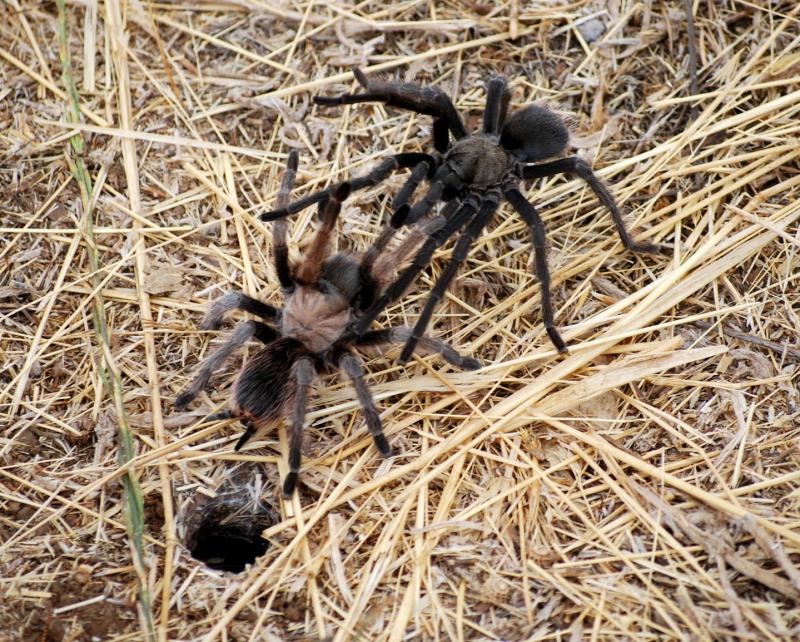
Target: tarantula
x=324, y=295
x=472, y=175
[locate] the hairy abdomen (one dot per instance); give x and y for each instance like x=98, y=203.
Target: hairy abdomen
x=265, y=388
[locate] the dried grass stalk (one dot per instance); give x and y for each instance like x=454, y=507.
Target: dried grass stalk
x=643, y=487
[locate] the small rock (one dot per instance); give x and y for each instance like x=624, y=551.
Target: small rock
x=592, y=29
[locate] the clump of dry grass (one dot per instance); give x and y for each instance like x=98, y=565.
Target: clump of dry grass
x=644, y=486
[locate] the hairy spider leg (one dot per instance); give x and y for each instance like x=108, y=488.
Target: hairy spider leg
x=350, y=99
x=421, y=230
x=463, y=214
x=377, y=175
x=489, y=204
x=575, y=165
x=249, y=431
x=400, y=334
x=539, y=240
x=400, y=218
x=441, y=124
x=242, y=333
x=400, y=208
x=404, y=194
x=422, y=207
x=265, y=333
x=441, y=135
x=376, y=268
x=427, y=100
x=497, y=98
x=279, y=230
x=303, y=372
x=436, y=193
x=222, y=415
x=309, y=269
x=366, y=280
x=236, y=301
x=354, y=369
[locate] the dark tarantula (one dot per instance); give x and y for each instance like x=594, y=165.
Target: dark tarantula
x=323, y=297
x=471, y=175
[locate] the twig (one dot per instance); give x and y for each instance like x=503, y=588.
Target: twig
x=715, y=546
x=774, y=549
x=781, y=349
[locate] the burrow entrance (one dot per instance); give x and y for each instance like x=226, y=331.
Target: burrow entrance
x=225, y=533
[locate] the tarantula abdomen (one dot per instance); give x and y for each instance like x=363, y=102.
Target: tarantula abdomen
x=265, y=388
x=534, y=133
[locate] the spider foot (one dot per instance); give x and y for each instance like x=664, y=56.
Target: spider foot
x=361, y=77
x=218, y=416
x=211, y=323
x=274, y=215
x=557, y=341
x=470, y=363
x=289, y=484
x=383, y=446
x=327, y=101
x=645, y=247
x=249, y=431
x=183, y=400
x=346, y=98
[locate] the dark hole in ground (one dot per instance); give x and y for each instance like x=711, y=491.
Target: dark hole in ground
x=228, y=534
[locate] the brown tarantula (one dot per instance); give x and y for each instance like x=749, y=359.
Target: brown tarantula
x=323, y=297
x=472, y=175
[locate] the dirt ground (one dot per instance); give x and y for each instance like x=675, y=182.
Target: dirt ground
x=644, y=486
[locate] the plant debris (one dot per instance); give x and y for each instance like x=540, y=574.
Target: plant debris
x=644, y=486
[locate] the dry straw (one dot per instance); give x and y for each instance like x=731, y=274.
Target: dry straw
x=644, y=487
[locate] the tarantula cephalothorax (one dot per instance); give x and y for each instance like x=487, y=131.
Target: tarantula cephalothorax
x=323, y=297
x=472, y=174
